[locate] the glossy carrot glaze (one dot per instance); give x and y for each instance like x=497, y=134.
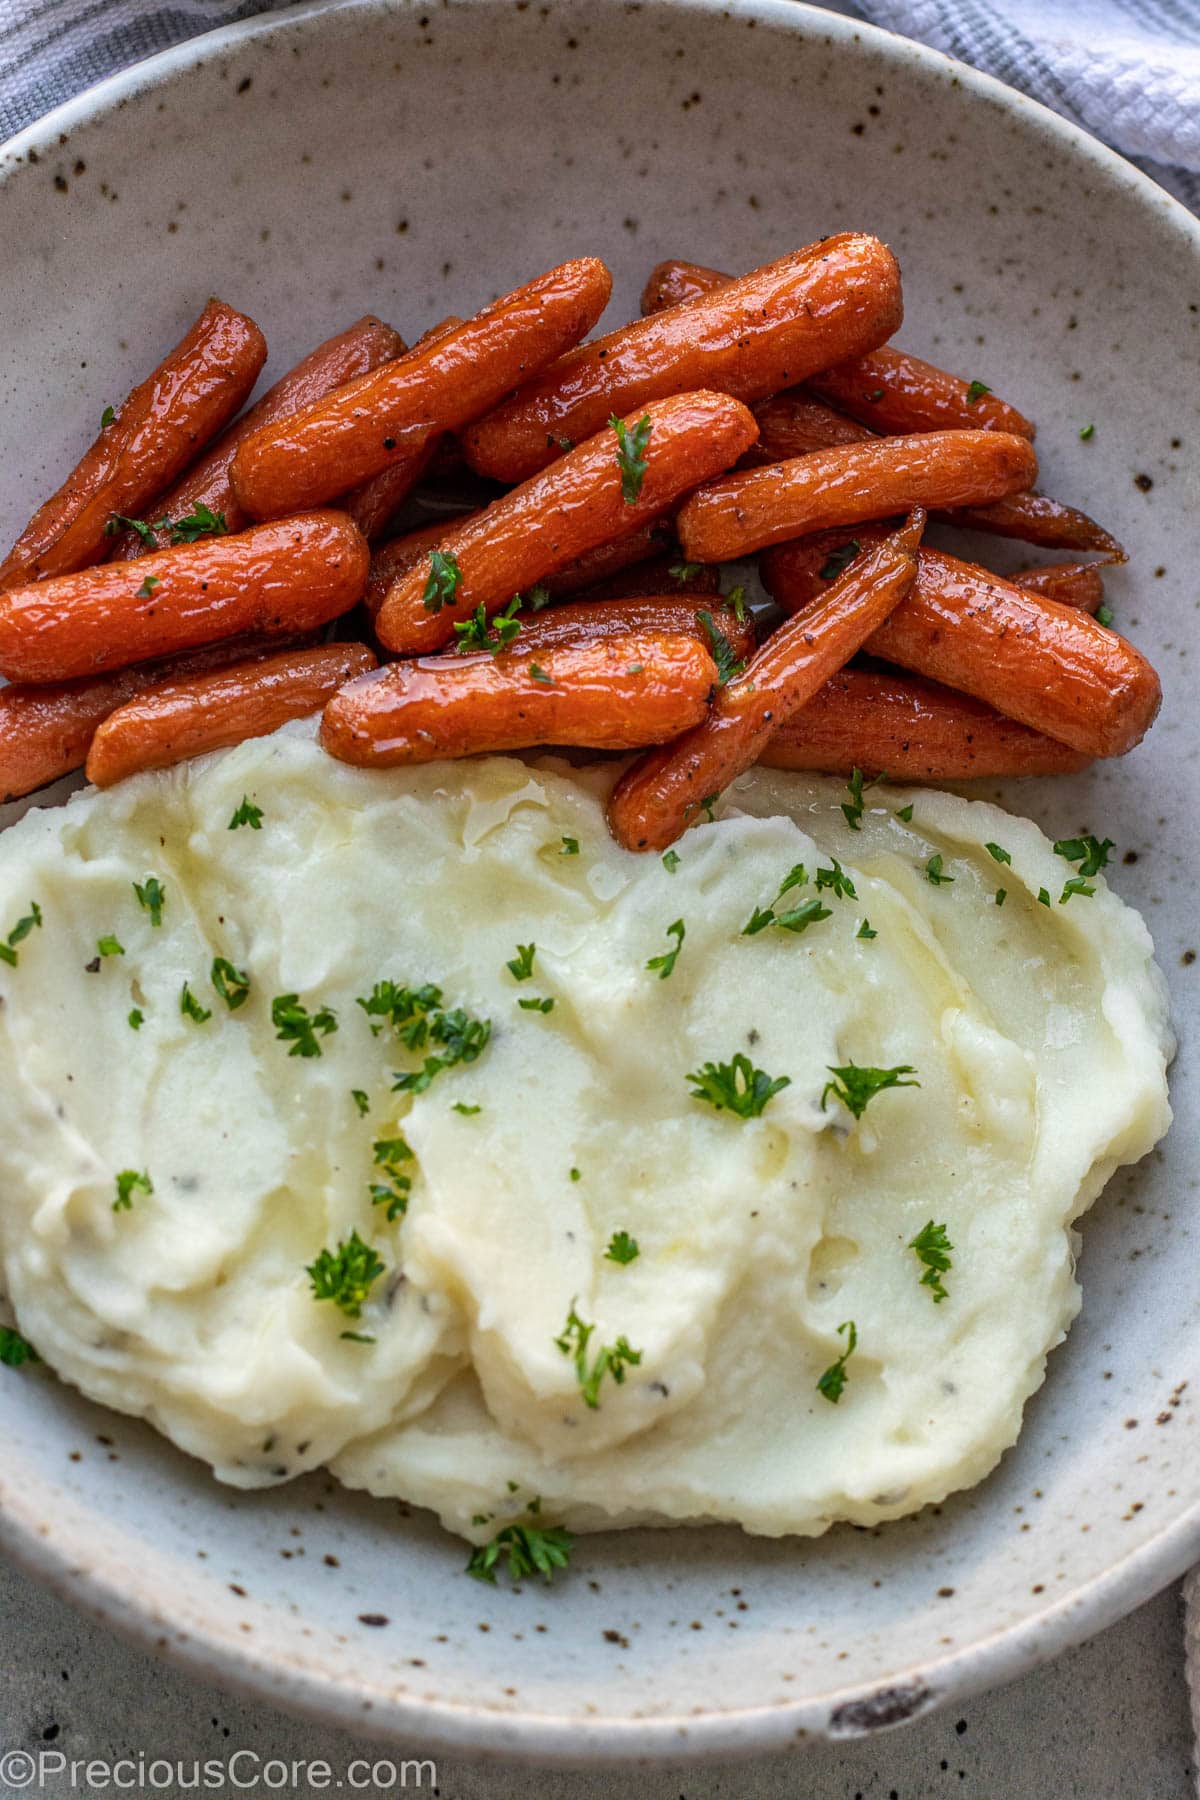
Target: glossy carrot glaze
x=1038, y=519
x=281, y=579
x=165, y=422
x=767, y=330
x=1070, y=583
x=361, y=347
x=571, y=508
x=383, y=418
x=586, y=621
x=663, y=792
x=794, y=423
x=612, y=693
x=847, y=485
x=183, y=718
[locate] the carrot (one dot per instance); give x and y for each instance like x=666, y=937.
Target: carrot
x=373, y=504
x=604, y=563
x=370, y=424
x=364, y=345
x=399, y=554
x=742, y=512
x=661, y=794
x=282, y=579
x=143, y=446
x=1037, y=519
x=45, y=731
x=184, y=718
x=913, y=729
x=795, y=424
x=585, y=621
x=557, y=516
x=765, y=331
x=612, y=693
x=799, y=571
x=1049, y=666
x=673, y=283
x=666, y=574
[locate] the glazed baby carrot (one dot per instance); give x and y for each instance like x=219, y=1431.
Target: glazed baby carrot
x=1048, y=666
x=663, y=792
x=795, y=424
x=674, y=282
x=143, y=445
x=369, y=425
x=283, y=579
x=797, y=572
x=768, y=330
x=1070, y=583
x=607, y=561
x=400, y=554
x=363, y=346
x=710, y=622
x=379, y=499
x=46, y=731
x=184, y=718
x=914, y=730
x=666, y=574
x=1037, y=519
x=612, y=693
x=594, y=493
x=844, y=486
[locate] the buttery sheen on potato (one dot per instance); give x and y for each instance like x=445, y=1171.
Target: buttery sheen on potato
x=1038, y=1035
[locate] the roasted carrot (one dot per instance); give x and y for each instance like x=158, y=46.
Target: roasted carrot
x=282, y=579
x=612, y=693
x=399, y=554
x=46, y=731
x=363, y=346
x=765, y=331
x=802, y=569
x=557, y=516
x=180, y=719
x=383, y=418
x=607, y=561
x=795, y=424
x=913, y=729
x=663, y=792
x=1037, y=519
x=143, y=446
x=666, y=574
x=673, y=283
x=844, y=486
x=1050, y=667
x=375, y=502
x=706, y=619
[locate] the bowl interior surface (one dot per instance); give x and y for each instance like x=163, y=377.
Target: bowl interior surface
x=415, y=161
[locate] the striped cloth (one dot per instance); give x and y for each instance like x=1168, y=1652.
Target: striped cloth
x=1126, y=70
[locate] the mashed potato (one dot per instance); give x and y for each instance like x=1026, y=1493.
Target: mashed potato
x=465, y=1336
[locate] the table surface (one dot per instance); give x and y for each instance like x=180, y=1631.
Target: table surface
x=1108, y=1721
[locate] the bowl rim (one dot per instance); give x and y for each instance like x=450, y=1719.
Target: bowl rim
x=112, y=1593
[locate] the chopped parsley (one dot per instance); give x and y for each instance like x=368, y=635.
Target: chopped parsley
x=1088, y=852
x=390, y=1155
x=933, y=1249
x=345, y=1275
x=135, y=1018
x=665, y=964
x=933, y=872
x=865, y=931
x=622, y=1248
x=998, y=853
x=462, y=1040
x=536, y=1005
x=728, y=665
x=148, y=586
x=976, y=391
x=631, y=460
x=407, y=1010
x=670, y=861
x=294, y=1025
x=759, y=919
x=570, y=847
x=107, y=417
x=610, y=1359
x=539, y=674
x=521, y=965
x=576, y=1175
x=684, y=571
x=1087, y=432
x=527, y=1549
x=838, y=559
x=1043, y=896
x=117, y=522
x=200, y=522
x=856, y=1088
x=247, y=814
x=191, y=1008
x=361, y=1100
x=18, y=934
x=853, y=808
x=110, y=946
x=1001, y=896
x=16, y=1351
x=833, y=1382
x=151, y=896
x=736, y=598
x=837, y=881
x=534, y=601
x=128, y=1182
x=797, y=918
x=1076, y=885
x=445, y=579
x=468, y=1112
x=1105, y=615
x=477, y=633
x=231, y=983
x=905, y=813
x=736, y=1087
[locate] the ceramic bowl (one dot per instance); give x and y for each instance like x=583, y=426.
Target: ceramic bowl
x=417, y=159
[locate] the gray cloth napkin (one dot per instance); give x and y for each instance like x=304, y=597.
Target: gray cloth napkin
x=1127, y=70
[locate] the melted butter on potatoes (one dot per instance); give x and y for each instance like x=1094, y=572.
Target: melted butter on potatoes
x=1037, y=1033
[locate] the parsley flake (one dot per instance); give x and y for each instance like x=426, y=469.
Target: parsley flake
x=390, y=1155
x=933, y=1249
x=736, y=598
x=865, y=931
x=853, y=808
x=838, y=559
x=570, y=847
x=833, y=1382
x=976, y=391
x=610, y=1359
x=837, y=881
x=148, y=586
x=622, y=1248
x=537, y=1006
x=128, y=1182
x=117, y=522
x=407, y=1010
x=110, y=946
x=1001, y=896
x=107, y=417
x=361, y=1100
x=670, y=861
x=810, y=912
x=294, y=1026
x=856, y=1088
x=18, y=934
x=1076, y=885
x=905, y=813
x=1043, y=896
x=998, y=853
x=527, y=1550
x=462, y=1040
x=445, y=579
x=521, y=965
x=468, y=1112
x=478, y=633
x=135, y=1018
x=1088, y=852
x=231, y=983
x=151, y=896
x=191, y=1008
x=631, y=460
x=345, y=1275
x=736, y=1087
x=200, y=522
x=15, y=1350
x=539, y=674
x=665, y=964
x=247, y=814
x=1105, y=615
x=933, y=872
x=684, y=571
x=1087, y=432
x=728, y=665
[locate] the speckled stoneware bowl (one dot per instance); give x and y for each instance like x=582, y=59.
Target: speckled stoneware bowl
x=417, y=159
